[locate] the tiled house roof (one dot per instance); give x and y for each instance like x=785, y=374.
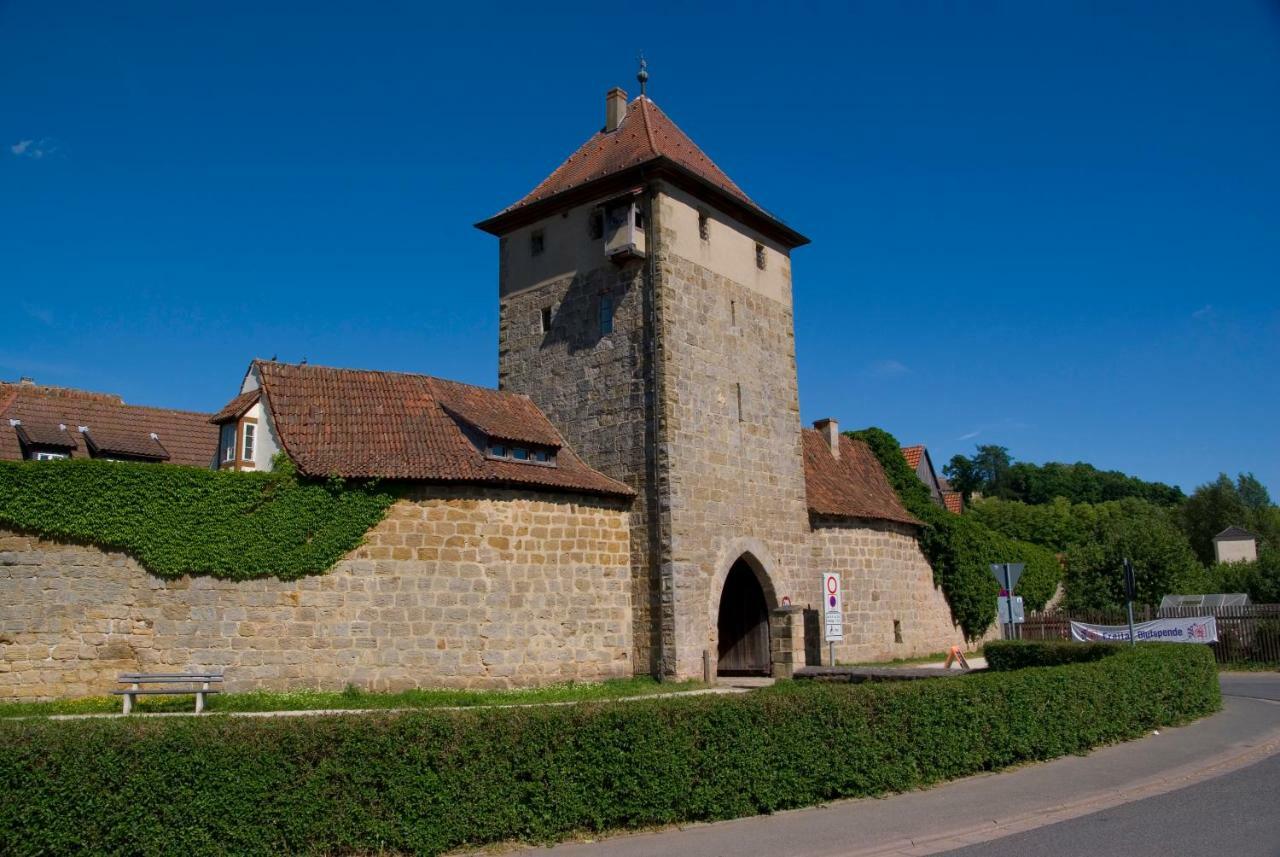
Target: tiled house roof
x=1235, y=534
x=913, y=454
x=364, y=424
x=646, y=137
x=237, y=407
x=954, y=501
x=851, y=486
x=114, y=428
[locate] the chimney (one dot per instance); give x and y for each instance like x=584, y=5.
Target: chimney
x=615, y=108
x=830, y=431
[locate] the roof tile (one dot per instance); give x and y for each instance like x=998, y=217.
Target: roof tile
x=851, y=486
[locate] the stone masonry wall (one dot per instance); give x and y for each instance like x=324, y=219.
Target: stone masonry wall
x=884, y=578
x=455, y=588
x=732, y=438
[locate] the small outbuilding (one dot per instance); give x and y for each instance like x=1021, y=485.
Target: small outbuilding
x=1235, y=544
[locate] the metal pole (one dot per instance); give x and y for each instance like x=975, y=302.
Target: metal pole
x=831, y=652
x=1128, y=600
x=1008, y=597
x=1132, y=640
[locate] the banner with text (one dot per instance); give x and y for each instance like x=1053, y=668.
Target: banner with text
x=1189, y=629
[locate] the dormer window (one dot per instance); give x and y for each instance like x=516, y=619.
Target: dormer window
x=49, y=456
x=227, y=443
x=523, y=453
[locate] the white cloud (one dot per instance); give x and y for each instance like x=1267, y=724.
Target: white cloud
x=971, y=435
x=36, y=149
x=1204, y=312
x=887, y=369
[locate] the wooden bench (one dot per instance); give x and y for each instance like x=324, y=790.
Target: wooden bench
x=183, y=680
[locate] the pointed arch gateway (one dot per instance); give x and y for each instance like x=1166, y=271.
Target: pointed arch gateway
x=742, y=620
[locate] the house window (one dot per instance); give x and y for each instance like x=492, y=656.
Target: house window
x=497, y=450
x=704, y=226
x=537, y=243
x=606, y=315
x=545, y=319
x=50, y=456
x=227, y=442
x=250, y=433
x=639, y=216
x=519, y=453
x=760, y=256
x=595, y=224
x=542, y=455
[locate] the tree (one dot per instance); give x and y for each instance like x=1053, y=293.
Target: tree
x=1252, y=492
x=992, y=464
x=1142, y=532
x=1212, y=508
x=962, y=475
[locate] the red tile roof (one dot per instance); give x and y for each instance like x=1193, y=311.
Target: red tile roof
x=645, y=136
x=913, y=455
x=115, y=428
x=851, y=486
x=954, y=501
x=363, y=424
x=237, y=407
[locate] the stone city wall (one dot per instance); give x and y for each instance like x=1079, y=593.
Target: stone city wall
x=455, y=588
x=885, y=579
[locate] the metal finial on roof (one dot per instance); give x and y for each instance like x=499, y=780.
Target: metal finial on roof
x=643, y=74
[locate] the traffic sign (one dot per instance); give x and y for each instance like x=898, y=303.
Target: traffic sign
x=1009, y=577
x=832, y=607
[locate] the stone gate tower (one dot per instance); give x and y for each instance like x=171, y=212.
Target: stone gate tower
x=645, y=306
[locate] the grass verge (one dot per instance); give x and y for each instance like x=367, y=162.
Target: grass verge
x=354, y=698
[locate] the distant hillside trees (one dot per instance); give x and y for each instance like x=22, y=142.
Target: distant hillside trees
x=992, y=472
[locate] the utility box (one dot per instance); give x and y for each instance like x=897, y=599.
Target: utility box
x=624, y=230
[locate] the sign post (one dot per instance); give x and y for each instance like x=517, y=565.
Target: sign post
x=1130, y=593
x=1007, y=574
x=833, y=613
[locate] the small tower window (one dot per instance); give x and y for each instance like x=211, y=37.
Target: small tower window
x=704, y=226
x=537, y=243
x=639, y=216
x=760, y=256
x=544, y=320
x=595, y=224
x=606, y=315
x=738, y=393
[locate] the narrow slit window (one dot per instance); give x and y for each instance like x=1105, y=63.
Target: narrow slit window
x=733, y=313
x=544, y=321
x=537, y=243
x=595, y=224
x=760, y=256
x=606, y=315
x=738, y=394
x=704, y=226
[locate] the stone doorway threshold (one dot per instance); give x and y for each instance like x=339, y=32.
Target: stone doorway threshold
x=744, y=682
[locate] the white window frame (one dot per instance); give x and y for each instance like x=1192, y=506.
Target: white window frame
x=49, y=456
x=248, y=441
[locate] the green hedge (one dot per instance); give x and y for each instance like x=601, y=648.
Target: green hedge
x=426, y=782
x=1002, y=655
x=186, y=520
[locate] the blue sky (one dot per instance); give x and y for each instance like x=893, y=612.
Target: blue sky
x=1052, y=226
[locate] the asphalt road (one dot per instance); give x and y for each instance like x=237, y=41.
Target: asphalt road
x=1236, y=814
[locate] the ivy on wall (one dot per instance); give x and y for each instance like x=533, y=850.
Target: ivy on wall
x=961, y=549
x=187, y=520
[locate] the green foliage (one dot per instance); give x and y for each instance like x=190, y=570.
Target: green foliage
x=1222, y=503
x=187, y=520
x=1004, y=655
x=1056, y=525
x=960, y=549
x=1137, y=530
x=992, y=472
x=1260, y=580
x=427, y=782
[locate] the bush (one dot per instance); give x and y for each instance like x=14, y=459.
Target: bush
x=426, y=782
x=187, y=520
x=1003, y=655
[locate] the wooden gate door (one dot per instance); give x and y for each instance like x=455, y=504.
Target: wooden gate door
x=743, y=624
